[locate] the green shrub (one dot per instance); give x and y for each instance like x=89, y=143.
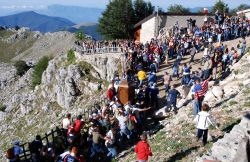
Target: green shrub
x=71, y=57
x=232, y=102
x=21, y=67
x=85, y=66
x=2, y=107
x=38, y=71
x=80, y=35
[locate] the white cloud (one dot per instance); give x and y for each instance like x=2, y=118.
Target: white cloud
x=23, y=7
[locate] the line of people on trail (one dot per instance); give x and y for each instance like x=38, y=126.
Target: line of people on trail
x=114, y=126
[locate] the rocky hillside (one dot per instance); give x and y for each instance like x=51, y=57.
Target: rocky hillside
x=30, y=46
x=66, y=86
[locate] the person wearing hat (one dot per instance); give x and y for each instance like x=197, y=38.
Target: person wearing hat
x=142, y=149
x=16, y=150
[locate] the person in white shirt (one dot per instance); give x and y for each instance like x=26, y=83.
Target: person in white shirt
x=123, y=125
x=203, y=120
x=66, y=123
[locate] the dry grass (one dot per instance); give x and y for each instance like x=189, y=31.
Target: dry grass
x=9, y=51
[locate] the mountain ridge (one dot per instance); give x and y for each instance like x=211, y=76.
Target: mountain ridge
x=35, y=21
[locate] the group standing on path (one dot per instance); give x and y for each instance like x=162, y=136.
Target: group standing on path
x=114, y=126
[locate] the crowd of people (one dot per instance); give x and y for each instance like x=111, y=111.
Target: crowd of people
x=93, y=46
x=116, y=126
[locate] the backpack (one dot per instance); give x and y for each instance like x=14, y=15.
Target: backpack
x=130, y=124
x=10, y=153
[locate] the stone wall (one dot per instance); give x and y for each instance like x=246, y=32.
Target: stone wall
x=169, y=21
x=104, y=64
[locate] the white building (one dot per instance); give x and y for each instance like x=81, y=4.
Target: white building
x=150, y=26
x=244, y=13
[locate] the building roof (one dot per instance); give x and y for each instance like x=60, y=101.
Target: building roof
x=243, y=11
x=145, y=19
x=168, y=14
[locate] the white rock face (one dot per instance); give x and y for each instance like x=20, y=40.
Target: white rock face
x=233, y=147
x=2, y=115
x=217, y=92
x=105, y=65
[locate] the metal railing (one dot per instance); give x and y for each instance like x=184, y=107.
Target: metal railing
x=49, y=138
x=101, y=50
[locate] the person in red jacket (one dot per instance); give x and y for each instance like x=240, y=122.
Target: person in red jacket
x=142, y=149
x=78, y=124
x=110, y=92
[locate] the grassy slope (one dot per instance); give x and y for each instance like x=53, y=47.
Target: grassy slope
x=9, y=51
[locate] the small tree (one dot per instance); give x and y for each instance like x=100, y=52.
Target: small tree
x=80, y=35
x=240, y=8
x=71, y=56
x=2, y=107
x=117, y=21
x=40, y=67
x=220, y=6
x=176, y=8
x=21, y=67
x=142, y=9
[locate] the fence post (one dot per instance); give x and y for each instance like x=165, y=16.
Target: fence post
x=53, y=136
x=47, y=139
x=24, y=153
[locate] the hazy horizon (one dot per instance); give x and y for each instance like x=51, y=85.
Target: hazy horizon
x=28, y=5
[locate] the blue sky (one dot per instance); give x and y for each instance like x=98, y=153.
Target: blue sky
x=36, y=4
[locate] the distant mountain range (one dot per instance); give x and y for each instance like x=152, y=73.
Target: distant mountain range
x=87, y=28
x=36, y=21
x=44, y=23
x=76, y=14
